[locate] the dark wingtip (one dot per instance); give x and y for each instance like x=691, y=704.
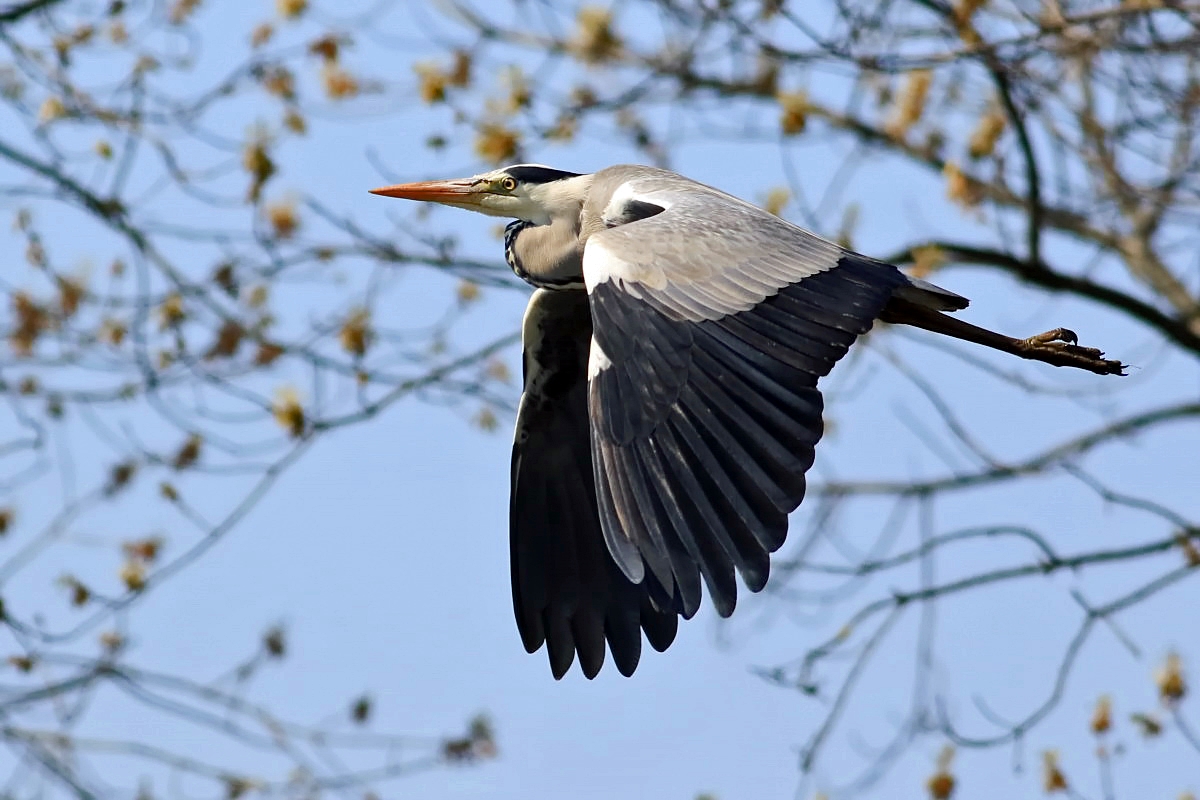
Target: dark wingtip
x=660, y=626
x=724, y=603
x=560, y=645
x=755, y=576
x=591, y=669
x=559, y=667
x=533, y=636
x=627, y=668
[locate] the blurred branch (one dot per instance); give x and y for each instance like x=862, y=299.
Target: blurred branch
x=14, y=13
x=1054, y=456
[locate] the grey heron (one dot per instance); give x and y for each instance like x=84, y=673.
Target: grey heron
x=672, y=350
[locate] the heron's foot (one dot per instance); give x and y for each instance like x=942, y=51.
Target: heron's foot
x=1060, y=347
x=1057, y=335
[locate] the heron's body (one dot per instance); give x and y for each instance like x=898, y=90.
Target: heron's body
x=670, y=406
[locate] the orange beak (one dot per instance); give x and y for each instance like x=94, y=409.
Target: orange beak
x=459, y=192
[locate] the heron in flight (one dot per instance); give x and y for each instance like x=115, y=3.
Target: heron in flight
x=672, y=351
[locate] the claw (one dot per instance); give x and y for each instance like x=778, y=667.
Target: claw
x=1057, y=335
x=1060, y=347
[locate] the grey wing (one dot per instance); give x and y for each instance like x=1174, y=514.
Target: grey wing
x=712, y=323
x=568, y=593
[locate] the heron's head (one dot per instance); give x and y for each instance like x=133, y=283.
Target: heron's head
x=530, y=192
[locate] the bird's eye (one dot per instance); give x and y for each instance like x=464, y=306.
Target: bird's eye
x=508, y=183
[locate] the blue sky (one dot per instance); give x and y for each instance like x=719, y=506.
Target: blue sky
x=384, y=552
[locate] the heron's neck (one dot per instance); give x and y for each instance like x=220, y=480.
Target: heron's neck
x=546, y=255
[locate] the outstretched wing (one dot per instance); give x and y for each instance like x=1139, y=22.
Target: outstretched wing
x=567, y=591
x=713, y=321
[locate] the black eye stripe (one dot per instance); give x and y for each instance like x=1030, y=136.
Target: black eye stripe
x=531, y=174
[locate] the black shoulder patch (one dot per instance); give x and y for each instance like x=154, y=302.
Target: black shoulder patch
x=632, y=211
x=533, y=173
